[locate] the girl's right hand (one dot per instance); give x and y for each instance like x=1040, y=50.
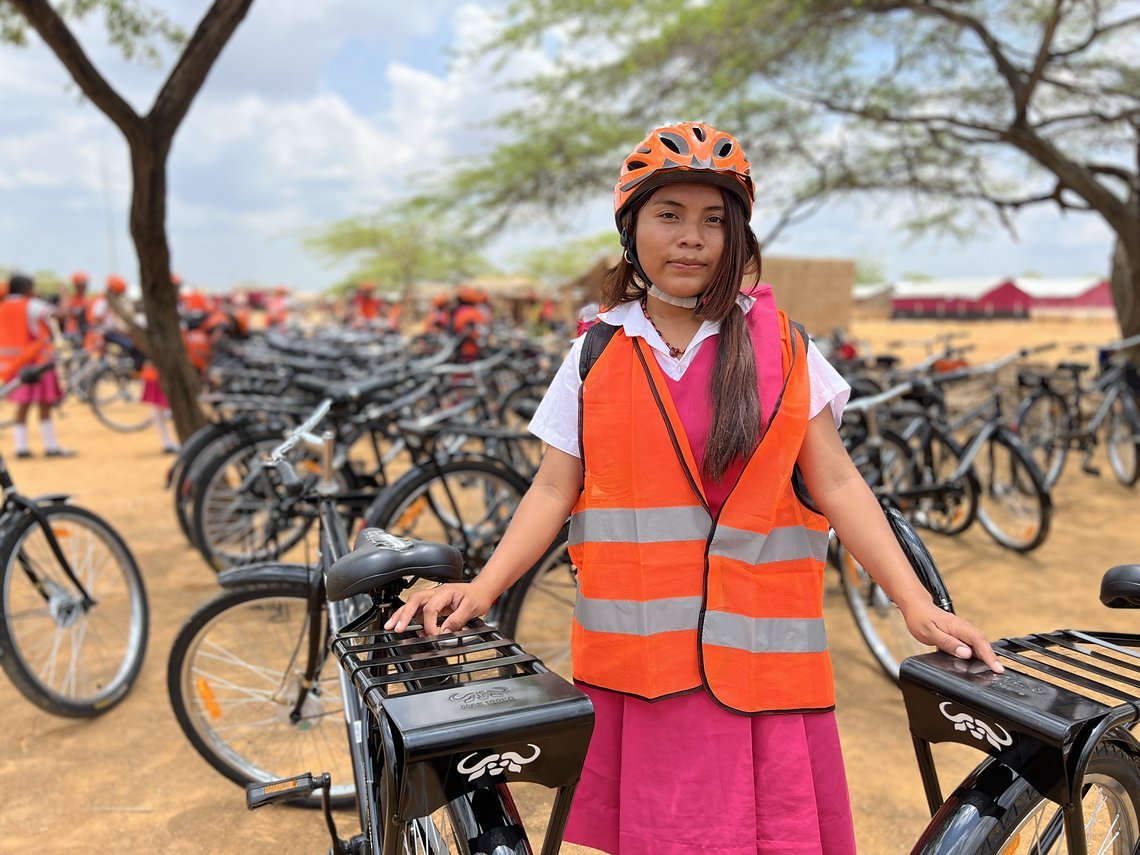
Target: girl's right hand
x=459, y=601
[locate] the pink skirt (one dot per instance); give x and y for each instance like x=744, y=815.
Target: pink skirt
x=44, y=391
x=152, y=394
x=682, y=775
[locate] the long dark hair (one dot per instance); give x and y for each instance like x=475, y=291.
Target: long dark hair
x=733, y=388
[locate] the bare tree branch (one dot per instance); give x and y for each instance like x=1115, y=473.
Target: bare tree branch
x=55, y=33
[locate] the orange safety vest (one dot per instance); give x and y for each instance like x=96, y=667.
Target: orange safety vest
x=18, y=347
x=671, y=600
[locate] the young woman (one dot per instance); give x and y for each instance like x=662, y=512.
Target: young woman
x=25, y=339
x=698, y=629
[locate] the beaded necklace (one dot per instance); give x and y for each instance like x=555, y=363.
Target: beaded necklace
x=675, y=352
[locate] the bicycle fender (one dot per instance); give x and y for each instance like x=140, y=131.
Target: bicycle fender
x=271, y=571
x=52, y=499
x=956, y=827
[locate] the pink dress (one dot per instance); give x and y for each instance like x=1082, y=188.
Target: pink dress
x=682, y=775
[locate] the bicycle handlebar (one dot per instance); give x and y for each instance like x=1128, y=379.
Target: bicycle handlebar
x=861, y=405
x=1131, y=341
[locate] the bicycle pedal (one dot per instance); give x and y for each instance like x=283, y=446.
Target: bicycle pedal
x=286, y=789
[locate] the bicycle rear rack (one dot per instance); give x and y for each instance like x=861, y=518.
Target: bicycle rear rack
x=1060, y=694
x=467, y=709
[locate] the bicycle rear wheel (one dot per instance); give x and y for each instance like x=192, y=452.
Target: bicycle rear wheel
x=65, y=657
x=1122, y=439
x=1016, y=509
x=999, y=812
x=116, y=398
x=537, y=610
x=1041, y=423
x=234, y=678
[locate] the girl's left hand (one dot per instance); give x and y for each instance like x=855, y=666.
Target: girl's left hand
x=950, y=634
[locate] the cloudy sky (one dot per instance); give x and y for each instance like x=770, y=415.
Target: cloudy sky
x=318, y=111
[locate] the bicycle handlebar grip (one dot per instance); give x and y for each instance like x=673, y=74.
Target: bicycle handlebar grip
x=289, y=479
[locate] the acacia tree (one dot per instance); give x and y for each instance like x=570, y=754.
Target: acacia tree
x=964, y=107
x=400, y=248
x=149, y=139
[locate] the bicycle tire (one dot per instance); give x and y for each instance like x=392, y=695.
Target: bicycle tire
x=536, y=611
x=885, y=465
x=119, y=405
x=417, y=506
x=102, y=647
x=254, y=631
x=1015, y=508
x=956, y=513
x=995, y=811
x=193, y=454
x=1122, y=439
x=1041, y=422
x=878, y=619
x=230, y=529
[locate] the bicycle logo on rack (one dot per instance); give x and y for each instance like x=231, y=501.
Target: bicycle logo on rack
x=497, y=764
x=481, y=697
x=976, y=727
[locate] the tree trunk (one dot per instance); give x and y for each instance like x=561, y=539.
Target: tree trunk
x=177, y=376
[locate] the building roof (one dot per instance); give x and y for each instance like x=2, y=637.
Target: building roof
x=870, y=290
x=947, y=289
x=1040, y=288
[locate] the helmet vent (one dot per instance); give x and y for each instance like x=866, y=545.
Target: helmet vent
x=632, y=165
x=724, y=149
x=699, y=132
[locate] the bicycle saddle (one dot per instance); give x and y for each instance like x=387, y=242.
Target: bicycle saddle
x=1076, y=368
x=1120, y=587
x=379, y=558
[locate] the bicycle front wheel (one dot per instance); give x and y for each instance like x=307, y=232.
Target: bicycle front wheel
x=1042, y=423
x=116, y=398
x=1016, y=509
x=537, y=610
x=69, y=657
x=235, y=676
x=879, y=620
x=1122, y=439
x=987, y=818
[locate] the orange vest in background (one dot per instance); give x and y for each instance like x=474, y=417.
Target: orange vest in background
x=671, y=600
x=18, y=347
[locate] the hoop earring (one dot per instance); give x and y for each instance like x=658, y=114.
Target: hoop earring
x=625, y=255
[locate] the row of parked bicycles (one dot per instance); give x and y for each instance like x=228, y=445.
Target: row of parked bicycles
x=315, y=439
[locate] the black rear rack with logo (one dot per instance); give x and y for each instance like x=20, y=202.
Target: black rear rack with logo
x=466, y=709
x=1061, y=693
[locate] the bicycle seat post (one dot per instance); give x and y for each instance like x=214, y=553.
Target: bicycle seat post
x=327, y=486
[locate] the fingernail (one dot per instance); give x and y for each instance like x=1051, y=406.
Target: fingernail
x=998, y=668
x=963, y=651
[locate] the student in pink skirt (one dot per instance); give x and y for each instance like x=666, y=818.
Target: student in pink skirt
x=698, y=628
x=24, y=328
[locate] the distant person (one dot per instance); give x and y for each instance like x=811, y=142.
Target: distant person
x=25, y=340
x=75, y=306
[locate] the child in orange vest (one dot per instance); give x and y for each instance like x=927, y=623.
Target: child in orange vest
x=25, y=339
x=698, y=624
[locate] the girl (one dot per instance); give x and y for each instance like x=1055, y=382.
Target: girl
x=698, y=629
x=25, y=339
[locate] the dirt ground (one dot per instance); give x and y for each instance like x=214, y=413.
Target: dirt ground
x=129, y=781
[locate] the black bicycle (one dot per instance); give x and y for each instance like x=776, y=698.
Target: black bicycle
x=1063, y=771
x=1056, y=418
x=259, y=677
x=73, y=608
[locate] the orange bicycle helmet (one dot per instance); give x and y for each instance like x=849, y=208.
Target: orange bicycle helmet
x=116, y=284
x=681, y=153
x=79, y=278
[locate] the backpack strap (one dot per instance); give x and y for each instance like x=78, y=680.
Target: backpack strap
x=597, y=337
x=799, y=485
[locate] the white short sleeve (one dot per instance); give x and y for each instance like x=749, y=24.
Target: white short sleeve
x=555, y=421
x=38, y=312
x=827, y=386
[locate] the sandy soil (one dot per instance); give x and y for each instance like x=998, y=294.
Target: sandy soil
x=129, y=781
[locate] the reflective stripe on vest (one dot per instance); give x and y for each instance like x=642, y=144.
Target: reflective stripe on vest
x=669, y=601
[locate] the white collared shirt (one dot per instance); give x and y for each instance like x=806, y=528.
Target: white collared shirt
x=555, y=421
